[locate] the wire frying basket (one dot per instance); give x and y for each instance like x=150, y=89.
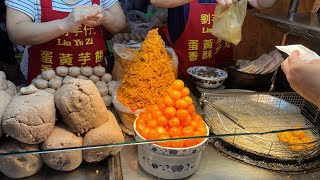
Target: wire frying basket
x=235, y=113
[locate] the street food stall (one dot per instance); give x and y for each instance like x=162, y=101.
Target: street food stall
x=140, y=120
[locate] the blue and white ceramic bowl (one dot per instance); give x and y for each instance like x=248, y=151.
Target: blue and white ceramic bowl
x=169, y=163
x=207, y=77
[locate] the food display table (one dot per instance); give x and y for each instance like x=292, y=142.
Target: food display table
x=103, y=170
x=124, y=165
x=213, y=165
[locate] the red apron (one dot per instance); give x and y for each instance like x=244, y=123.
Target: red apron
x=197, y=46
x=85, y=47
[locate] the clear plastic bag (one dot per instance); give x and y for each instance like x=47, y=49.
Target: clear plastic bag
x=158, y=16
x=127, y=115
x=124, y=58
x=227, y=24
x=121, y=107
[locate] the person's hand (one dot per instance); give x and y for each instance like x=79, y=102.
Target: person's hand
x=97, y=19
x=303, y=77
x=226, y=4
x=316, y=61
x=80, y=15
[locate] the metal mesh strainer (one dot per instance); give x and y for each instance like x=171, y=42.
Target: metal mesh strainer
x=257, y=112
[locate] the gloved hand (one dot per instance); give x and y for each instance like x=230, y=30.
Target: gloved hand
x=86, y=15
x=226, y=4
x=98, y=19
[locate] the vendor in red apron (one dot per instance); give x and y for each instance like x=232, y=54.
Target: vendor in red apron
x=189, y=32
x=62, y=32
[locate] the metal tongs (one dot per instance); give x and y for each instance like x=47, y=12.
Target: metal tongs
x=232, y=118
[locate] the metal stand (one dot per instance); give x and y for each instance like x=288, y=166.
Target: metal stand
x=304, y=25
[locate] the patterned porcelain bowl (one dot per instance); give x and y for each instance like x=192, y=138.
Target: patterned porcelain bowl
x=207, y=77
x=169, y=163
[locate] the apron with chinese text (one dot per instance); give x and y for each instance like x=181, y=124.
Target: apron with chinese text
x=197, y=46
x=85, y=47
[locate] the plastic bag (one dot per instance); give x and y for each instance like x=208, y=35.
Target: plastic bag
x=227, y=24
x=127, y=115
x=158, y=16
x=124, y=57
x=138, y=22
x=119, y=106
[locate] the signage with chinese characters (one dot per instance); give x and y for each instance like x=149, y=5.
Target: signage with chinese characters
x=68, y=58
x=205, y=49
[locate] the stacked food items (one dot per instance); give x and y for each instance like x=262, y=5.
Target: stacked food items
x=265, y=64
x=298, y=140
x=124, y=57
x=127, y=37
x=30, y=123
x=7, y=91
x=147, y=79
x=128, y=54
x=149, y=90
x=52, y=80
x=6, y=85
x=173, y=116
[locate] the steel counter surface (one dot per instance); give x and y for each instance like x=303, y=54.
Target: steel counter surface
x=213, y=165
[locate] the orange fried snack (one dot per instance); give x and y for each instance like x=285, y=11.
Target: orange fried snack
x=299, y=133
x=296, y=145
x=147, y=79
x=309, y=140
x=297, y=141
x=285, y=136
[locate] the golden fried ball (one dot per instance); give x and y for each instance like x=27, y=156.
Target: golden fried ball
x=285, y=136
x=310, y=146
x=299, y=133
x=295, y=145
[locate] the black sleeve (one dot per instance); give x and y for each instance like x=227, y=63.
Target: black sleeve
x=6, y=46
x=2, y=7
x=177, y=20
